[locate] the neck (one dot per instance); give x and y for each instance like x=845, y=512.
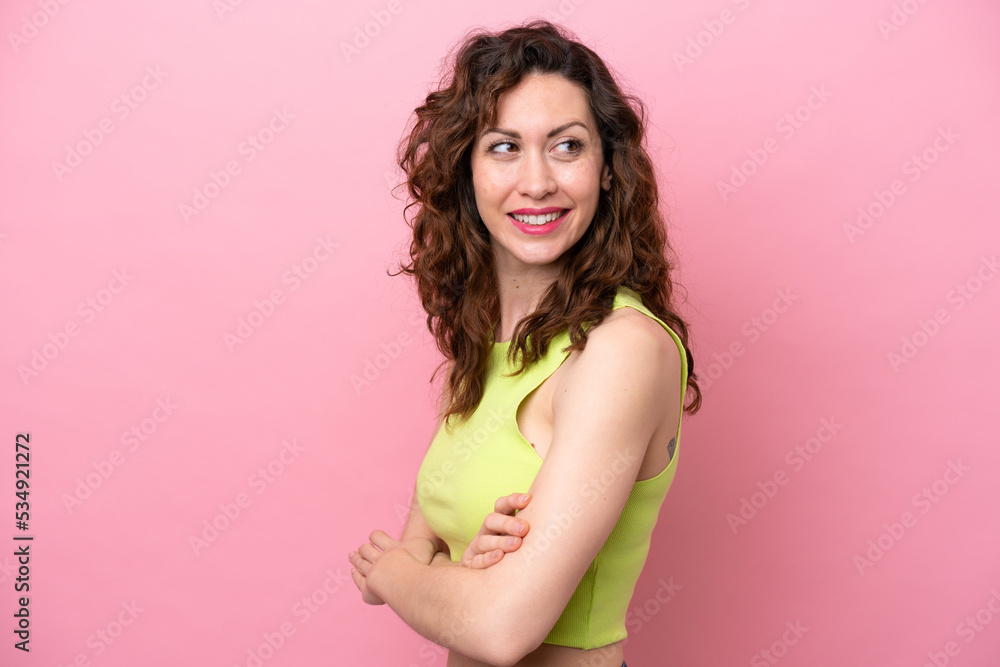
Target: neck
x=519, y=294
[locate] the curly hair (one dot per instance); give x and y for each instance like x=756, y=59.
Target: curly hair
x=450, y=253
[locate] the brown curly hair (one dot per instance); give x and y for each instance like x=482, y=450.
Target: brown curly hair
x=450, y=253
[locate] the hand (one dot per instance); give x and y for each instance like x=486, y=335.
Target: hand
x=491, y=542
x=365, y=557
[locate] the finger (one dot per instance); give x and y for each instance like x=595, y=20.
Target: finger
x=482, y=561
x=515, y=526
x=359, y=580
x=487, y=559
x=357, y=560
x=382, y=540
x=480, y=545
x=481, y=553
x=501, y=524
x=362, y=566
x=488, y=543
x=367, y=557
x=514, y=501
x=495, y=523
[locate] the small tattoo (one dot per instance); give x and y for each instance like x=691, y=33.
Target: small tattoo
x=670, y=447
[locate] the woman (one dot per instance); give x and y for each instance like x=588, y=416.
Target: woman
x=538, y=250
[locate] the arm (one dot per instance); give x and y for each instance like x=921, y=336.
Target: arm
x=416, y=524
x=604, y=417
x=445, y=603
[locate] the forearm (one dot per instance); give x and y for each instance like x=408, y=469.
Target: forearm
x=440, y=546
x=442, y=558
x=416, y=526
x=444, y=602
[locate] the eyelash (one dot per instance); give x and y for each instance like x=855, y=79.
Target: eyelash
x=489, y=149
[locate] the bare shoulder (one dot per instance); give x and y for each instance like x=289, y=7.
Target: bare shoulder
x=630, y=342
x=606, y=410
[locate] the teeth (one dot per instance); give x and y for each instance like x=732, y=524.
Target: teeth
x=537, y=219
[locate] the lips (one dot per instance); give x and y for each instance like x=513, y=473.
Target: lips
x=538, y=211
x=537, y=216
x=539, y=225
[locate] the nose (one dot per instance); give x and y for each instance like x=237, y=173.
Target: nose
x=535, y=178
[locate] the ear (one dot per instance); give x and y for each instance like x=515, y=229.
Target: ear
x=606, y=177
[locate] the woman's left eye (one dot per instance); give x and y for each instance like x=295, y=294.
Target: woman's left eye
x=575, y=145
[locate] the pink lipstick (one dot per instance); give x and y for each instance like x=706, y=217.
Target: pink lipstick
x=532, y=219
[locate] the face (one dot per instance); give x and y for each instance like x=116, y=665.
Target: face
x=537, y=174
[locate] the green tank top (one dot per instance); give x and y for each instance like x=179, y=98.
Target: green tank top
x=467, y=469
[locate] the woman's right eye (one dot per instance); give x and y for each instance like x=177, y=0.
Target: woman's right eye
x=492, y=147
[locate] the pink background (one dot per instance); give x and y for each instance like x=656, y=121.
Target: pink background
x=114, y=515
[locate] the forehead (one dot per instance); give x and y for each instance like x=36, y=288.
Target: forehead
x=541, y=101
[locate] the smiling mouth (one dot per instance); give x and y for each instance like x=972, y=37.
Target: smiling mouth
x=538, y=219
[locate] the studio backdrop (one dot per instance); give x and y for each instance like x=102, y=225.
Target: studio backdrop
x=211, y=390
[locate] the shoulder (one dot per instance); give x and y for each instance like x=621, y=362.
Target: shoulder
x=626, y=322
x=629, y=341
x=605, y=412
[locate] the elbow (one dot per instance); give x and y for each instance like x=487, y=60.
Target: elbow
x=510, y=658
x=511, y=649
x=504, y=654
x=513, y=623
x=512, y=636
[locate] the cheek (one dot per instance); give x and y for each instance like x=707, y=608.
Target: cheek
x=488, y=186
x=582, y=180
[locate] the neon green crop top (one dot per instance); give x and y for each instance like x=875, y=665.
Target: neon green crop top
x=466, y=470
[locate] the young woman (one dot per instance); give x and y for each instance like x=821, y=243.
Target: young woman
x=539, y=254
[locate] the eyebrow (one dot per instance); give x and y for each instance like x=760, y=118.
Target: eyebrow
x=515, y=135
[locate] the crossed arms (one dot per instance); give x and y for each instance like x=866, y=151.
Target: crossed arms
x=609, y=405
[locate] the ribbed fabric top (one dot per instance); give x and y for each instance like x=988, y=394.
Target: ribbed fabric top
x=486, y=457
